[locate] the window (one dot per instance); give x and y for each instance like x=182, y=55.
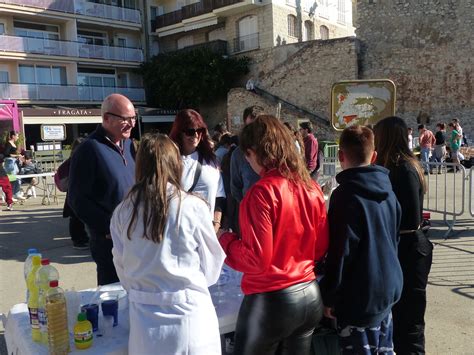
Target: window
x=217, y=34
x=308, y=33
x=122, y=42
x=4, y=77
x=35, y=30
x=248, y=34
x=42, y=74
x=292, y=27
x=96, y=77
x=324, y=32
x=2, y=28
x=324, y=8
x=185, y=41
x=341, y=11
x=90, y=37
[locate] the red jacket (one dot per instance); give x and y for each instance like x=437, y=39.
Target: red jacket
x=284, y=232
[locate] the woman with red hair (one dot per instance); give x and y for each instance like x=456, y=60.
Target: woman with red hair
x=201, y=173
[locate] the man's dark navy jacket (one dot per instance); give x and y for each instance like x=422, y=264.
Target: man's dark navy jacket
x=100, y=176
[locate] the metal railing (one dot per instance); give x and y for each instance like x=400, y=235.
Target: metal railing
x=217, y=46
x=82, y=7
x=40, y=92
x=446, y=191
x=246, y=43
x=192, y=10
x=68, y=49
x=471, y=191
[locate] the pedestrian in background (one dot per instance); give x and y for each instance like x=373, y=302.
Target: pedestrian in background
x=310, y=148
x=77, y=230
x=439, y=152
x=427, y=142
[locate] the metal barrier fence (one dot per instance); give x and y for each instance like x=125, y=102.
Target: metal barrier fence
x=471, y=191
x=446, y=191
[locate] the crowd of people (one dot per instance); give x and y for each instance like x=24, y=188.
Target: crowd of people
x=444, y=145
x=163, y=218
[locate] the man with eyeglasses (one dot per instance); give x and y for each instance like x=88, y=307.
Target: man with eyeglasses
x=102, y=171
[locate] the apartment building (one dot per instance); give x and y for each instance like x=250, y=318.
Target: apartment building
x=60, y=58
x=236, y=26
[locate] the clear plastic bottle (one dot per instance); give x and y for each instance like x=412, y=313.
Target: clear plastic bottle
x=58, y=335
x=28, y=265
x=44, y=276
x=33, y=292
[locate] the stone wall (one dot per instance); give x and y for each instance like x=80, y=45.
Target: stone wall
x=301, y=74
x=426, y=48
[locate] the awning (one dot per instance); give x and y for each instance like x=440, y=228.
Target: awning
x=161, y=118
x=61, y=119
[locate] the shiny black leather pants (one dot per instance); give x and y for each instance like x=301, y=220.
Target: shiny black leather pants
x=279, y=322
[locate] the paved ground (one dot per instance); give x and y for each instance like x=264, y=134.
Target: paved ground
x=450, y=312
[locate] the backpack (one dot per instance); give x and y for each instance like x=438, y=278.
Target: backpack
x=61, y=178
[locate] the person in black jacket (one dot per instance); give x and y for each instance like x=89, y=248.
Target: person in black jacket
x=415, y=251
x=363, y=277
x=102, y=172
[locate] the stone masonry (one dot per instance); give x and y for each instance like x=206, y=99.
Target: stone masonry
x=425, y=47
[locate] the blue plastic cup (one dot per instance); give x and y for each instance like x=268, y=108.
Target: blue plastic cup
x=110, y=308
x=92, y=311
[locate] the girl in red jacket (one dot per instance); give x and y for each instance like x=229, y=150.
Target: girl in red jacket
x=284, y=233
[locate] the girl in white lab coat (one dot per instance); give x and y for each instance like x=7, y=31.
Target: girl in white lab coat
x=167, y=255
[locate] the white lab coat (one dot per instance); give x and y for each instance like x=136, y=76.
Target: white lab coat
x=210, y=184
x=171, y=310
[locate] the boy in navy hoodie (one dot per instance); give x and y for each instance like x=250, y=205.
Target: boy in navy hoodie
x=363, y=277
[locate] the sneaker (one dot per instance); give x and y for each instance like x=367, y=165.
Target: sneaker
x=19, y=196
x=14, y=199
x=80, y=245
x=10, y=207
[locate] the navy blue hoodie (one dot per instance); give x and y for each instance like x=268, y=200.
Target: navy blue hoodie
x=99, y=178
x=363, y=277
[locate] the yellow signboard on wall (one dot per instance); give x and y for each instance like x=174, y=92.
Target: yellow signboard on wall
x=362, y=102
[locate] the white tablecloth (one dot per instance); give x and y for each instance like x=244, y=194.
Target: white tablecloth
x=226, y=295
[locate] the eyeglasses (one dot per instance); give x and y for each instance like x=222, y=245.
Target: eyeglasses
x=190, y=132
x=122, y=118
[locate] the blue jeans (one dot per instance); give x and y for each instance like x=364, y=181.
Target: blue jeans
x=367, y=341
x=425, y=157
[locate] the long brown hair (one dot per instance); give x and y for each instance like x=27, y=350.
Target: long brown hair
x=275, y=148
x=185, y=119
x=391, y=144
x=157, y=164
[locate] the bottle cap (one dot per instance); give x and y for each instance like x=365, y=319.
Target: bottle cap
x=53, y=283
x=32, y=251
x=45, y=261
x=81, y=317
x=36, y=260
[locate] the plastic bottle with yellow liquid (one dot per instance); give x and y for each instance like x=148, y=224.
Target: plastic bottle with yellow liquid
x=83, y=332
x=33, y=294
x=56, y=312
x=46, y=273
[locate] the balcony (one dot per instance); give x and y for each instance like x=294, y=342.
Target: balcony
x=39, y=92
x=246, y=43
x=218, y=46
x=68, y=49
x=193, y=10
x=82, y=7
